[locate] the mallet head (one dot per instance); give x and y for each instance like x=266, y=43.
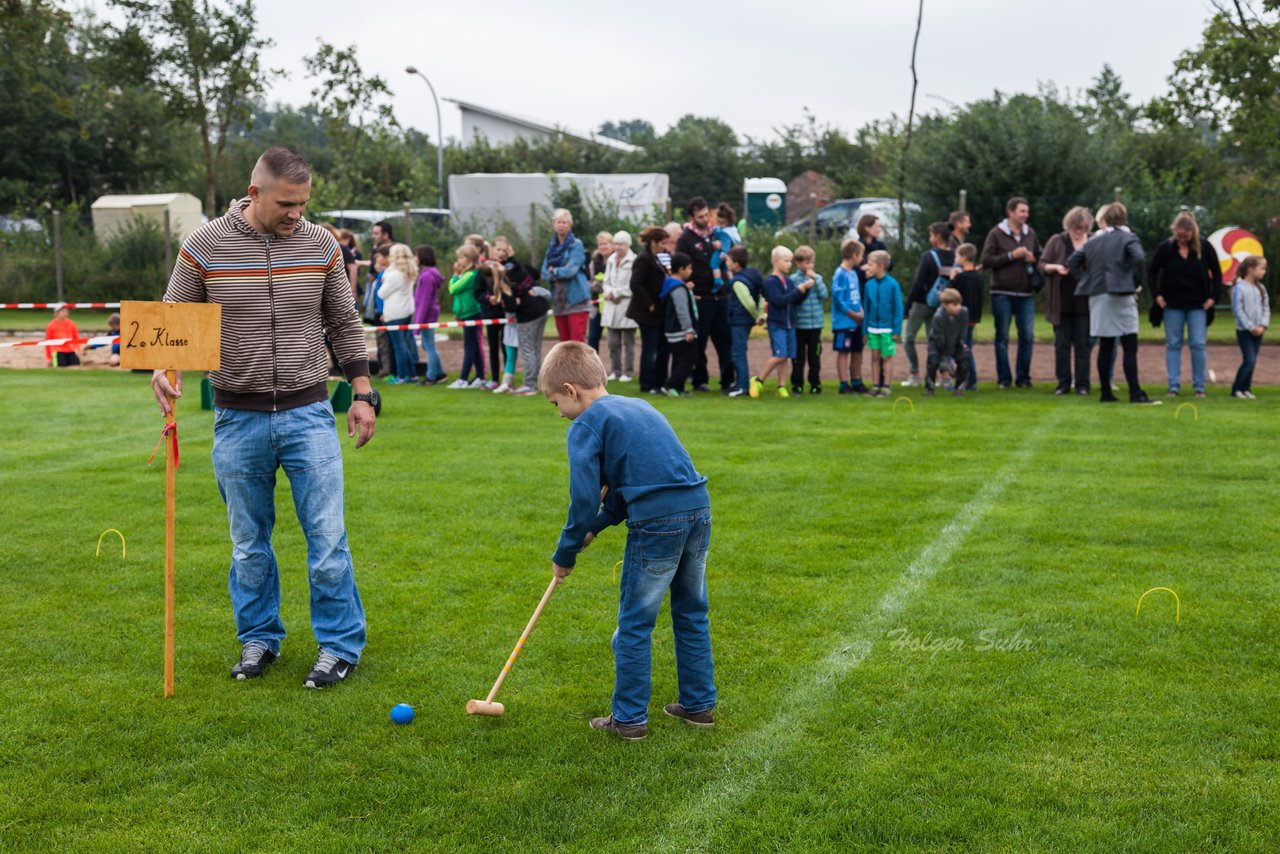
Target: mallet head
x=481, y=707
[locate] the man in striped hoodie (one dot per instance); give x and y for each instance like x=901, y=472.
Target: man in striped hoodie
x=282, y=286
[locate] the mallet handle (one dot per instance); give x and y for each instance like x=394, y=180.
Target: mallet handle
x=546, y=597
x=169, y=492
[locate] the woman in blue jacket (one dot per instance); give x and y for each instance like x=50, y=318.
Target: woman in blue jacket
x=563, y=268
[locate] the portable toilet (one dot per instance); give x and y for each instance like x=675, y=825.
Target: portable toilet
x=764, y=200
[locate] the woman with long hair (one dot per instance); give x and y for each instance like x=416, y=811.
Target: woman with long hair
x=1186, y=282
x=1067, y=313
x=396, y=292
x=1252, y=310
x=647, y=276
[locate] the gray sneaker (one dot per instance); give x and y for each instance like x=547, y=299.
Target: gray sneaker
x=630, y=733
x=702, y=719
x=254, y=658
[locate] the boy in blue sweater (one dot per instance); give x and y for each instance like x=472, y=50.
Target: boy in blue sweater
x=626, y=464
x=781, y=294
x=846, y=318
x=883, y=298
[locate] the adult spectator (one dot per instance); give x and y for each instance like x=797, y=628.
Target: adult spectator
x=1067, y=313
x=713, y=306
x=1109, y=270
x=960, y=224
x=348, y=259
x=564, y=269
x=673, y=231
x=595, y=281
x=647, y=275
x=383, y=235
x=616, y=299
x=935, y=263
x=1186, y=282
x=870, y=230
x=271, y=406
x=1010, y=253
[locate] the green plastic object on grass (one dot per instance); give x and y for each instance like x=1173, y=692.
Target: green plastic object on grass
x=206, y=394
x=341, y=399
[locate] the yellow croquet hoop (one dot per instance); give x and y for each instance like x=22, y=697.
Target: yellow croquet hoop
x=1177, y=603
x=98, y=551
x=615, y=571
x=1181, y=406
x=909, y=401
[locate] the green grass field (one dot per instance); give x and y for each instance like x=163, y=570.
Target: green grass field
x=923, y=624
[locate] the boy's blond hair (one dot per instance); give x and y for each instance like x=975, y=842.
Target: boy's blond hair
x=803, y=254
x=884, y=259
x=950, y=296
x=851, y=248
x=968, y=252
x=571, y=362
x=778, y=253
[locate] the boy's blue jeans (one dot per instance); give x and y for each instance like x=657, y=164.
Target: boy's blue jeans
x=741, y=335
x=661, y=554
x=248, y=447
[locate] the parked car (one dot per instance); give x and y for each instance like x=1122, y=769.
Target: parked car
x=839, y=219
x=361, y=222
x=17, y=225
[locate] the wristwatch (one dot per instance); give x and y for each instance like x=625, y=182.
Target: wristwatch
x=372, y=398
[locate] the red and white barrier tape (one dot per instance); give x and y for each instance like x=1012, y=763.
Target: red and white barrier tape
x=96, y=341
x=445, y=324
x=59, y=305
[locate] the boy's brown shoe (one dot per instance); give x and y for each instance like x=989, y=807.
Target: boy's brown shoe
x=630, y=733
x=702, y=719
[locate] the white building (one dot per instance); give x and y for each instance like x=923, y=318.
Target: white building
x=503, y=128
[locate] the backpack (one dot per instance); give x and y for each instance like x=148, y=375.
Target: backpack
x=940, y=284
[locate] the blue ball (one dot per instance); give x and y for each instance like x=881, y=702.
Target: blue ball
x=401, y=713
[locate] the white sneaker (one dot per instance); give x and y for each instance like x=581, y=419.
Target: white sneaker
x=1240, y=394
x=459, y=384
x=911, y=382
x=624, y=378
x=1250, y=395
x=477, y=383
x=613, y=377
x=525, y=390
x=502, y=389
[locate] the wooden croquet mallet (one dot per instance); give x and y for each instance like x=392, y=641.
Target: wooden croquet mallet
x=487, y=706
x=171, y=336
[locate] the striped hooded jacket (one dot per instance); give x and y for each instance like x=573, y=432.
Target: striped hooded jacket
x=279, y=297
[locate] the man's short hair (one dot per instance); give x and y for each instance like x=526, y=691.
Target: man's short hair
x=697, y=203
x=740, y=256
x=956, y=218
x=679, y=261
x=571, y=362
x=387, y=230
x=884, y=259
x=282, y=164
x=851, y=248
x=1012, y=205
x=940, y=229
x=950, y=296
x=803, y=253
x=968, y=252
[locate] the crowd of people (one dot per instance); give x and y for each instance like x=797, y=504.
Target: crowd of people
x=679, y=287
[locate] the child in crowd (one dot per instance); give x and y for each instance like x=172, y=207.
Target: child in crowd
x=781, y=294
x=883, y=298
x=529, y=304
x=426, y=309
x=937, y=263
x=500, y=294
x=62, y=326
x=113, y=329
x=724, y=236
x=625, y=446
x=968, y=281
x=462, y=287
x=1252, y=310
x=947, y=332
x=396, y=294
x=673, y=230
x=372, y=309
x=682, y=321
x=810, y=315
x=846, y=318
x=744, y=313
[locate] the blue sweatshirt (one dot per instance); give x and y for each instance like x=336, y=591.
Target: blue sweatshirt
x=782, y=296
x=883, y=300
x=846, y=296
x=627, y=445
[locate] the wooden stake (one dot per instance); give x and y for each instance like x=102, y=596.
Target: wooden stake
x=170, y=470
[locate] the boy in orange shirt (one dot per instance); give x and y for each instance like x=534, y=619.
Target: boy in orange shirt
x=62, y=326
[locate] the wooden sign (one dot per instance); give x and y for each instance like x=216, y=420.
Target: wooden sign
x=175, y=336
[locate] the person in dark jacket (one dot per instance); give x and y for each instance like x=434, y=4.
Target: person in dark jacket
x=647, y=276
x=745, y=292
x=782, y=295
x=1186, y=283
x=870, y=229
x=697, y=242
x=681, y=321
x=1109, y=270
x=1010, y=252
x=968, y=281
x=947, y=330
x=935, y=263
x=1067, y=313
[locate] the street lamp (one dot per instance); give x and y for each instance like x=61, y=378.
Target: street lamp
x=439, y=135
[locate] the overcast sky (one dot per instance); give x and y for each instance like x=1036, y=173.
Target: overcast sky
x=759, y=63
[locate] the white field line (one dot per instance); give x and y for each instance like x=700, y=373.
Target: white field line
x=689, y=828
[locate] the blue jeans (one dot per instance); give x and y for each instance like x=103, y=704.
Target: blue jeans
x=406, y=351
x=1197, y=333
x=434, y=370
x=1022, y=310
x=1249, y=346
x=741, y=335
x=667, y=553
x=248, y=447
